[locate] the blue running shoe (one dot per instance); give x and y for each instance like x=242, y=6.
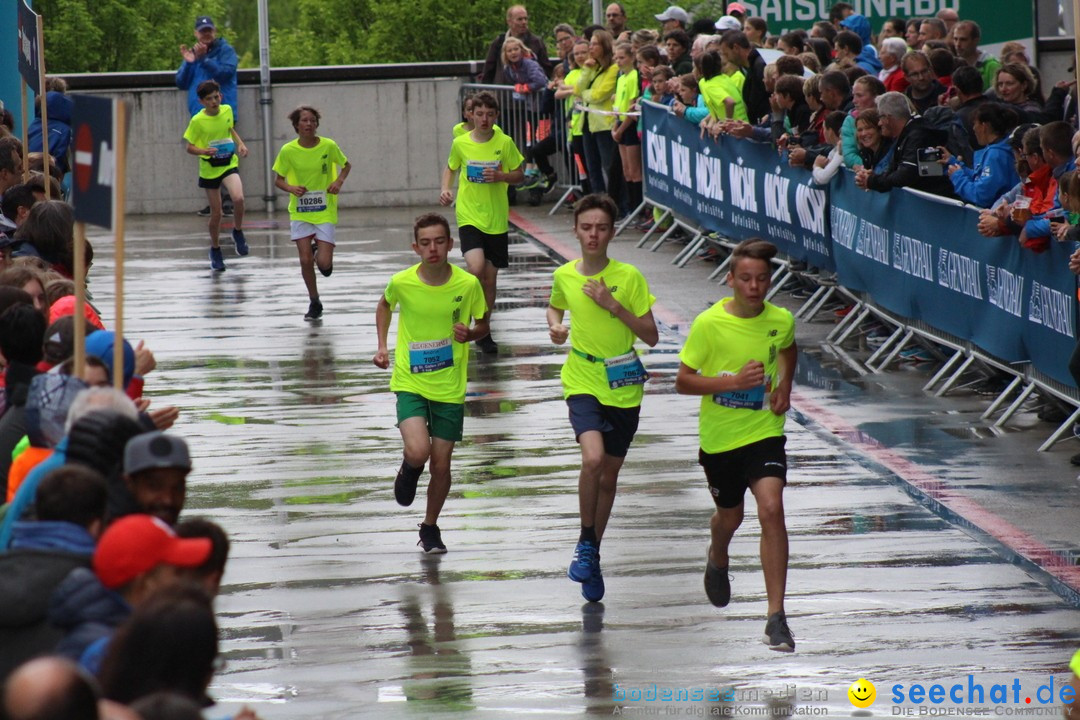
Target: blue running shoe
x=593, y=588
x=216, y=261
x=240, y=241
x=585, y=559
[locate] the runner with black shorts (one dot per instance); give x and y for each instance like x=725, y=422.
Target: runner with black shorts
x=489, y=162
x=603, y=379
x=740, y=357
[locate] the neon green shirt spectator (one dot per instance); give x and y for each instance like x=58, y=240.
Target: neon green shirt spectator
x=626, y=92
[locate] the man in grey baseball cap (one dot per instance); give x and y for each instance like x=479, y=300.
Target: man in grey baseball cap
x=156, y=466
x=674, y=18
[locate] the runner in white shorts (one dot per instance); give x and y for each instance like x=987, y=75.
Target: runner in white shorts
x=312, y=169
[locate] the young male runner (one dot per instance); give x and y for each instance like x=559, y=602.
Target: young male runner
x=609, y=303
x=438, y=302
x=740, y=357
x=312, y=169
x=211, y=136
x=490, y=162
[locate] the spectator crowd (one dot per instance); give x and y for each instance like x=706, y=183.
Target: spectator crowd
x=106, y=592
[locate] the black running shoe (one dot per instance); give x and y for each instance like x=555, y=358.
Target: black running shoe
x=405, y=485
x=487, y=345
x=205, y=212
x=431, y=540
x=314, y=310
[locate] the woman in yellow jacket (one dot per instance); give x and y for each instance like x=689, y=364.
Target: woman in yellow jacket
x=596, y=88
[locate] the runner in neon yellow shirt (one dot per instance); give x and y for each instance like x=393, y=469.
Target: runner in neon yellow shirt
x=210, y=135
x=610, y=307
x=740, y=358
x=489, y=162
x=312, y=169
x=437, y=302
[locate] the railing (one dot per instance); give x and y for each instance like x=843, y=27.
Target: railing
x=906, y=260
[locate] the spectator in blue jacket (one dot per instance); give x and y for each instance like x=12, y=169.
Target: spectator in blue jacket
x=211, y=58
x=59, y=107
x=994, y=171
x=1057, y=150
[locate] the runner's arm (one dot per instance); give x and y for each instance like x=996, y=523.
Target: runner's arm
x=383, y=314
x=780, y=398
x=282, y=184
x=335, y=187
x=196, y=150
x=463, y=333
x=690, y=382
x=241, y=148
x=446, y=194
x=558, y=332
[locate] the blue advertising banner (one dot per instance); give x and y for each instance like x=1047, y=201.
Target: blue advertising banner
x=29, y=51
x=735, y=187
x=925, y=260
x=94, y=172
x=914, y=255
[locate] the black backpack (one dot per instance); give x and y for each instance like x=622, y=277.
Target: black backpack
x=948, y=123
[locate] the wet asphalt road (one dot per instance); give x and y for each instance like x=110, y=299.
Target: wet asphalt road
x=330, y=611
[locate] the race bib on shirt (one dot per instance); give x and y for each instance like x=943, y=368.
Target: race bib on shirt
x=756, y=398
x=623, y=370
x=223, y=149
x=311, y=201
x=430, y=356
x=474, y=170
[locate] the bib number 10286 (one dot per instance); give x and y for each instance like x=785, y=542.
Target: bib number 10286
x=311, y=201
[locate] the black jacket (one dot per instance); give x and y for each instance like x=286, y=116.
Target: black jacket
x=27, y=581
x=904, y=169
x=754, y=94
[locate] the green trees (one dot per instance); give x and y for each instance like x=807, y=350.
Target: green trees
x=134, y=35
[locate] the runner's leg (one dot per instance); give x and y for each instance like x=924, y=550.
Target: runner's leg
x=768, y=492
x=235, y=186
x=439, y=483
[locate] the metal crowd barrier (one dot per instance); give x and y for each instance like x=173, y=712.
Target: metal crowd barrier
x=962, y=364
x=521, y=118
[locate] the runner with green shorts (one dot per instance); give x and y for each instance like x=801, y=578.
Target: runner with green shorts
x=438, y=302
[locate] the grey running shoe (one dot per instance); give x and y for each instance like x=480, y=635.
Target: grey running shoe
x=778, y=634
x=717, y=585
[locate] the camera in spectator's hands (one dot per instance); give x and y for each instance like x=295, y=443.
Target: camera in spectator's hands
x=930, y=162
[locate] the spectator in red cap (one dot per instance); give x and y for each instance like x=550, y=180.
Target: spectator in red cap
x=136, y=555
x=738, y=10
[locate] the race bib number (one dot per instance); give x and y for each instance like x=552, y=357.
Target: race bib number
x=311, y=201
x=430, y=356
x=474, y=170
x=624, y=370
x=223, y=149
x=756, y=398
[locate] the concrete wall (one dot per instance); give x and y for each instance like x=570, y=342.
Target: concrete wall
x=396, y=134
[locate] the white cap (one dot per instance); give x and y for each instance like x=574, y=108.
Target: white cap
x=674, y=13
x=728, y=22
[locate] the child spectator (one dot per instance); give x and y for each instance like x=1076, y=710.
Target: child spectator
x=825, y=167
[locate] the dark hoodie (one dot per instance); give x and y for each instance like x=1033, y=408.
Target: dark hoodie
x=85, y=611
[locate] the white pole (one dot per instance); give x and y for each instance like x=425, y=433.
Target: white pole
x=266, y=102
x=597, y=13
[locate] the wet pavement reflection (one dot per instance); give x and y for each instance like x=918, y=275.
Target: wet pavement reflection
x=330, y=611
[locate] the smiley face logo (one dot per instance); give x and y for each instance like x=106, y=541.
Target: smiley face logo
x=862, y=693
